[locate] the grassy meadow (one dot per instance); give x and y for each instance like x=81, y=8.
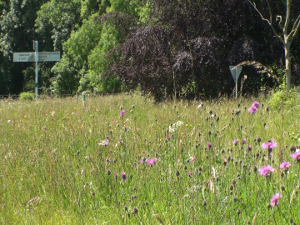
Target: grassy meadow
x=125, y=160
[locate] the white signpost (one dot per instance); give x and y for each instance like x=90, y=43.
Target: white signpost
x=235, y=72
x=36, y=57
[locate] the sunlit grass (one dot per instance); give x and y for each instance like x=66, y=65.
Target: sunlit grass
x=55, y=168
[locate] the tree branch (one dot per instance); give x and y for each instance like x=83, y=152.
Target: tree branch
x=295, y=30
x=270, y=21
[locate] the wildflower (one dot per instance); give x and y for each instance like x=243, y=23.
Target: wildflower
x=252, y=110
x=285, y=165
x=275, y=199
x=189, y=173
x=255, y=104
x=173, y=127
x=269, y=145
x=9, y=121
x=296, y=156
x=123, y=176
x=243, y=141
x=151, y=161
x=143, y=160
x=265, y=170
x=105, y=142
x=122, y=113
x=208, y=145
x=200, y=106
x=235, y=142
x=249, y=148
x=193, y=158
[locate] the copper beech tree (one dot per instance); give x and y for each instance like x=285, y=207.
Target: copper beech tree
x=286, y=35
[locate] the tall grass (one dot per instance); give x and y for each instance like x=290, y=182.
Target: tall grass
x=55, y=168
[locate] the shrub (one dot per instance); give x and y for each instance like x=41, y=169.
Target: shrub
x=282, y=99
x=27, y=96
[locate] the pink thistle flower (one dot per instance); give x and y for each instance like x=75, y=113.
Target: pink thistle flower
x=151, y=161
x=189, y=173
x=249, y=148
x=296, y=156
x=255, y=104
x=122, y=113
x=252, y=110
x=285, y=165
x=123, y=176
x=269, y=145
x=235, y=142
x=275, y=199
x=208, y=145
x=193, y=158
x=265, y=170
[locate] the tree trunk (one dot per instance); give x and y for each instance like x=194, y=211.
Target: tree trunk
x=288, y=68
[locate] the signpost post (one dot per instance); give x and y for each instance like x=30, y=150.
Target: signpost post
x=235, y=72
x=36, y=57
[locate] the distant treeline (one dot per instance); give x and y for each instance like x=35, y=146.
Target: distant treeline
x=162, y=48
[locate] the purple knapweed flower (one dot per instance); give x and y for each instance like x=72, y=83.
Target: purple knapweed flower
x=249, y=148
x=189, y=173
x=208, y=145
x=235, y=142
x=122, y=113
x=296, y=156
x=269, y=144
x=265, y=170
x=9, y=121
x=285, y=165
x=123, y=176
x=243, y=141
x=275, y=199
x=255, y=104
x=151, y=161
x=252, y=110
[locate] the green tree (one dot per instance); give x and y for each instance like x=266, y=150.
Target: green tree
x=17, y=32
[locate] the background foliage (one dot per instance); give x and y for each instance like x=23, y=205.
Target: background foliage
x=164, y=48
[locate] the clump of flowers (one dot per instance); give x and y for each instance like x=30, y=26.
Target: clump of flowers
x=254, y=107
x=275, y=199
x=265, y=170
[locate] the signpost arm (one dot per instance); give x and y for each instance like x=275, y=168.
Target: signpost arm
x=36, y=68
